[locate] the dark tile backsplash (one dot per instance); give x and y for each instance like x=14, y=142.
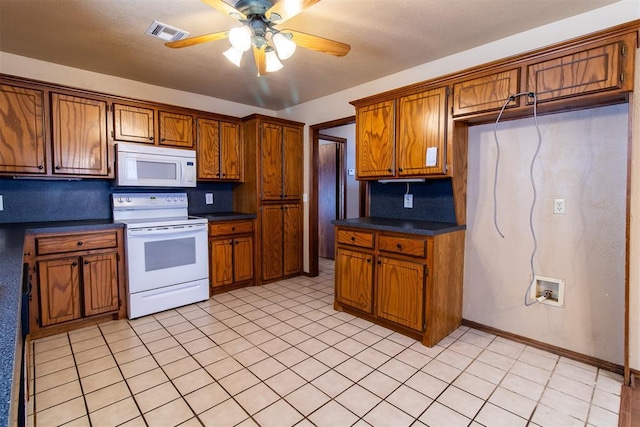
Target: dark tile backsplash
x=432, y=200
x=42, y=200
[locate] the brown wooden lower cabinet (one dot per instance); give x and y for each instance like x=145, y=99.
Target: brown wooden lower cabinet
x=281, y=243
x=78, y=278
x=409, y=283
x=231, y=254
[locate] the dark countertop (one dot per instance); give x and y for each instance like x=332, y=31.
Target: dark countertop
x=11, y=254
x=426, y=228
x=226, y=216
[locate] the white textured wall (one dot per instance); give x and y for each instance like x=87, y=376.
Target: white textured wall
x=583, y=160
x=54, y=73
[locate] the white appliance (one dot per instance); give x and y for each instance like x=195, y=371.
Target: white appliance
x=140, y=165
x=166, y=249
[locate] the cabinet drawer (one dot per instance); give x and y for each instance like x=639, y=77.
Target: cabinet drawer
x=357, y=238
x=236, y=227
x=403, y=245
x=77, y=242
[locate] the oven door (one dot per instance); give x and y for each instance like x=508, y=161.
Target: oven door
x=167, y=255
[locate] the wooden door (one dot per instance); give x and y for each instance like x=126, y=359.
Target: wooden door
x=292, y=239
x=354, y=279
x=292, y=173
x=272, y=241
x=59, y=285
x=208, y=157
x=176, y=130
x=375, y=140
x=133, y=124
x=243, y=258
x=328, y=197
x=22, y=142
x=422, y=123
x=221, y=262
x=100, y=283
x=230, y=154
x=400, y=292
x=271, y=162
x=79, y=135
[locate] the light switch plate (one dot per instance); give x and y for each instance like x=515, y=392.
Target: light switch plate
x=1, y=204
x=208, y=198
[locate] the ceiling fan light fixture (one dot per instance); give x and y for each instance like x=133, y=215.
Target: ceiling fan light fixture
x=240, y=38
x=234, y=55
x=284, y=45
x=273, y=63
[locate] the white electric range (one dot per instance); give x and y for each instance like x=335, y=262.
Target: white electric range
x=166, y=251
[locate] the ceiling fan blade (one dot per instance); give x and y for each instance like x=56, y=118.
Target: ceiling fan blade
x=223, y=7
x=261, y=60
x=287, y=9
x=191, y=41
x=320, y=44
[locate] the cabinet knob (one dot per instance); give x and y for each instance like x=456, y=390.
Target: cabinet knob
x=86, y=262
x=389, y=170
x=353, y=239
x=79, y=243
x=163, y=139
x=40, y=167
x=369, y=260
x=399, y=246
x=233, y=229
x=400, y=169
x=379, y=262
x=74, y=264
x=231, y=242
x=150, y=138
x=224, y=174
x=57, y=168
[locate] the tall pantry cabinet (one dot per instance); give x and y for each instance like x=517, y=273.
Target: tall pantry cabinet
x=273, y=190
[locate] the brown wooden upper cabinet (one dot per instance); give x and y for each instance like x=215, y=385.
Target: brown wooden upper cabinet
x=486, y=93
x=219, y=150
x=148, y=125
x=581, y=72
x=22, y=130
x=79, y=136
x=281, y=162
x=402, y=137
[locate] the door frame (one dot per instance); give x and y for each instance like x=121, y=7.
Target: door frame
x=314, y=140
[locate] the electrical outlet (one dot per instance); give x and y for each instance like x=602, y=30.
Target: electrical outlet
x=208, y=198
x=1, y=204
x=559, y=206
x=408, y=201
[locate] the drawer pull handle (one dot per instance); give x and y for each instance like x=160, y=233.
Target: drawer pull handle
x=79, y=243
x=353, y=239
x=399, y=246
x=233, y=229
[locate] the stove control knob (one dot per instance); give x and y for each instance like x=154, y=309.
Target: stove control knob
x=128, y=199
x=182, y=198
x=175, y=198
x=120, y=200
x=168, y=198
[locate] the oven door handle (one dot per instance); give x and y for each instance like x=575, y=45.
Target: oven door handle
x=167, y=230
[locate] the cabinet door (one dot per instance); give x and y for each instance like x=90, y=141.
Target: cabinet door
x=230, y=154
x=271, y=162
x=587, y=71
x=243, y=258
x=100, y=283
x=21, y=130
x=292, y=150
x=176, y=130
x=208, y=157
x=354, y=279
x=422, y=123
x=272, y=241
x=59, y=284
x=79, y=135
x=292, y=239
x=400, y=292
x=486, y=93
x=375, y=140
x=133, y=124
x=221, y=262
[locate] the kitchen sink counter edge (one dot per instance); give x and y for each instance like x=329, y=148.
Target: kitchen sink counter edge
x=426, y=228
x=11, y=262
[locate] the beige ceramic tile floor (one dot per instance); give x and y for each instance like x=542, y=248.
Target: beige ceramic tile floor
x=279, y=355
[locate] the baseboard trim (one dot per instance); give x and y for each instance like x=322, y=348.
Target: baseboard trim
x=589, y=360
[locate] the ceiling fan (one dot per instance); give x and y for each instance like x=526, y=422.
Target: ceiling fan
x=269, y=44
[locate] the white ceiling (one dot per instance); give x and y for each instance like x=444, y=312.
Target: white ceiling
x=386, y=36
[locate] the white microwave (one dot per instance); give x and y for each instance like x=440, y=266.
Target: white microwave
x=140, y=165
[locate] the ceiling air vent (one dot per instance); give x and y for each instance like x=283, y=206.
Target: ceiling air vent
x=165, y=32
